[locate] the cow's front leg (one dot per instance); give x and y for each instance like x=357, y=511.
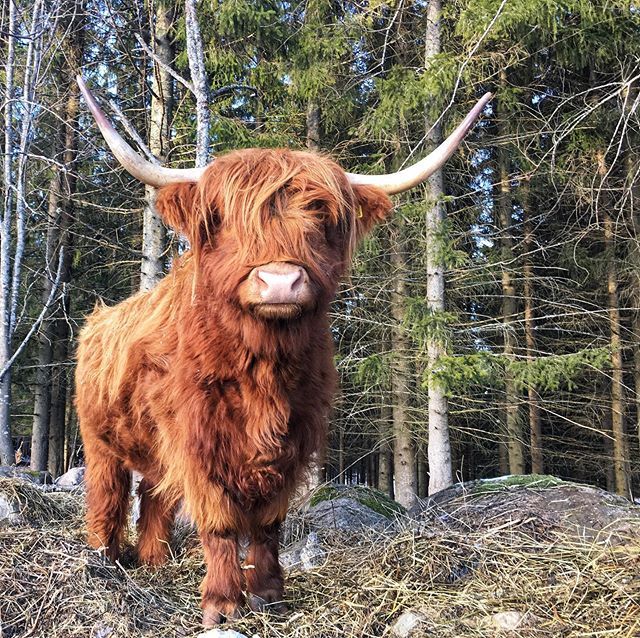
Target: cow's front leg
x=264, y=578
x=222, y=586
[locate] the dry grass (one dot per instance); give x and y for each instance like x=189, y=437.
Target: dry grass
x=52, y=585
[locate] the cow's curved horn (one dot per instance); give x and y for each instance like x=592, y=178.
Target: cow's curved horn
x=413, y=175
x=140, y=168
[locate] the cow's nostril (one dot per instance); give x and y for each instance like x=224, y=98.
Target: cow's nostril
x=282, y=281
x=281, y=284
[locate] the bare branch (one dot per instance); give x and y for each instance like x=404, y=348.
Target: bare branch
x=133, y=133
x=174, y=74
x=39, y=320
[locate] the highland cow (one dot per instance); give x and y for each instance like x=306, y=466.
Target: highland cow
x=216, y=385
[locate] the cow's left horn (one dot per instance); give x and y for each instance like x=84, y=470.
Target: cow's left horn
x=413, y=175
x=140, y=168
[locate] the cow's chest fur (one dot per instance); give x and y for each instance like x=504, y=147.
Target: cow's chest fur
x=253, y=440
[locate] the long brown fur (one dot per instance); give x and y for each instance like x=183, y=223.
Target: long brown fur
x=212, y=403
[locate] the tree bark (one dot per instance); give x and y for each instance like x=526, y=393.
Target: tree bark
x=385, y=458
x=195, y=52
x=620, y=453
x=42, y=394
x=535, y=426
x=6, y=446
x=60, y=369
x=439, y=445
x=313, y=126
x=504, y=206
x=404, y=453
x=153, y=230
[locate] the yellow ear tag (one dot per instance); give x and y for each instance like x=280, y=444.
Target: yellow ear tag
x=359, y=212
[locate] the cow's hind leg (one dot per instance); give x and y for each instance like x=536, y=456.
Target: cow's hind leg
x=222, y=586
x=154, y=525
x=263, y=573
x=108, y=485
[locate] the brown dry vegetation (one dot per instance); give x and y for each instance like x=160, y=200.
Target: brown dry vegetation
x=565, y=583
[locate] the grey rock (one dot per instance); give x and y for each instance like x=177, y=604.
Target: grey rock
x=71, y=480
x=345, y=514
x=410, y=624
x=9, y=510
x=304, y=555
x=25, y=474
x=508, y=620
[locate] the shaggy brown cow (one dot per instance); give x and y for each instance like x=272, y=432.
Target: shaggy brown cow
x=216, y=385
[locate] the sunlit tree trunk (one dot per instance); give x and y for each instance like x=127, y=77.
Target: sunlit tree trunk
x=153, y=230
x=439, y=446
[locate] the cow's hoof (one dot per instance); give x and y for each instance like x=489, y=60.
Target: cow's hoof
x=269, y=603
x=216, y=613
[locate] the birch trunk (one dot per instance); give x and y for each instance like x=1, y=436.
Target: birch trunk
x=6, y=446
x=199, y=80
x=153, y=230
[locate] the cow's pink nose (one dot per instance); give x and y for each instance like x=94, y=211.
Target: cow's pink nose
x=281, y=282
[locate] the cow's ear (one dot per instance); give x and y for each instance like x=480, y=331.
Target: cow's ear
x=178, y=206
x=372, y=207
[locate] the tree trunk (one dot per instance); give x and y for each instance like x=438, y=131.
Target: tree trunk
x=620, y=454
x=6, y=446
x=153, y=230
x=195, y=56
x=385, y=462
x=504, y=206
x=404, y=453
x=535, y=427
x=439, y=446
x=313, y=126
x=42, y=394
x=632, y=195
x=63, y=318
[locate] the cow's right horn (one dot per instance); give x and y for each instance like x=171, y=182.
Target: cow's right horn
x=407, y=178
x=140, y=168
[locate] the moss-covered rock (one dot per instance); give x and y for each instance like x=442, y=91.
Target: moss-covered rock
x=374, y=499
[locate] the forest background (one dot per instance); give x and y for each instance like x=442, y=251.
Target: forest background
x=492, y=327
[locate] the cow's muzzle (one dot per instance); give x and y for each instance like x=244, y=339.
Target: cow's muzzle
x=278, y=290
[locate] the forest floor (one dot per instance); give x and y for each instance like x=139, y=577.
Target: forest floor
x=485, y=559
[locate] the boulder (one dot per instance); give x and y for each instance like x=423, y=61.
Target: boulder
x=542, y=503
x=71, y=480
x=345, y=514
x=304, y=555
x=25, y=474
x=9, y=510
